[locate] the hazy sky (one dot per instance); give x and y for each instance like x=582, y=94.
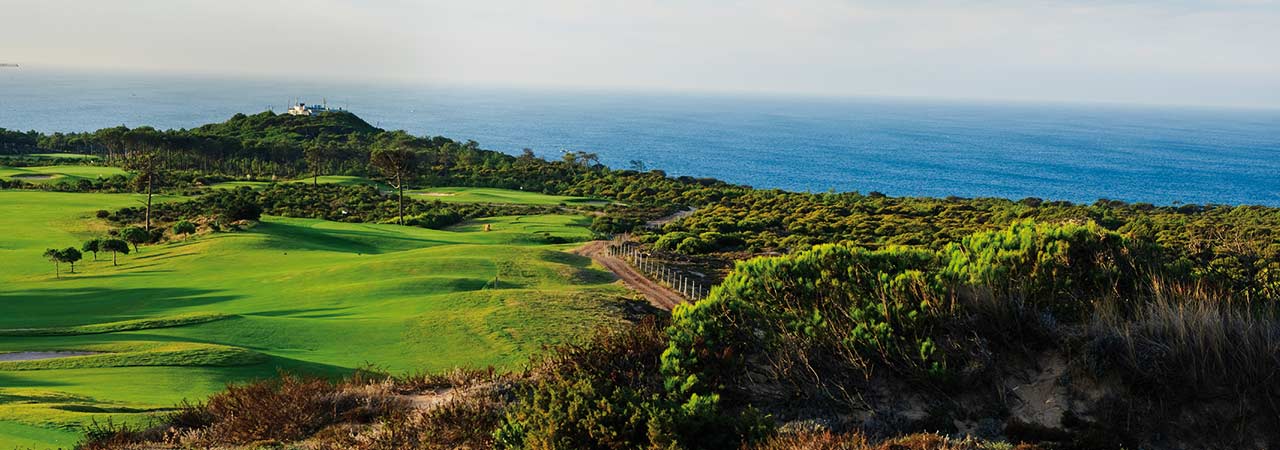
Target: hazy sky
x=1150, y=51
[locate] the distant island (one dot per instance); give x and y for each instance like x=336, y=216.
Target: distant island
x=358, y=285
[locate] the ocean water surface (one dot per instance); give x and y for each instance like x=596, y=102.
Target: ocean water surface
x=1076, y=152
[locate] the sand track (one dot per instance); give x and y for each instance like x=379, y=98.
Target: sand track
x=658, y=295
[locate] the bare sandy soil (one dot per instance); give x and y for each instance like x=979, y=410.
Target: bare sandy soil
x=30, y=356
x=32, y=176
x=658, y=295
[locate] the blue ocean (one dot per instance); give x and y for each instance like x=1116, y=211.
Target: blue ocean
x=1077, y=152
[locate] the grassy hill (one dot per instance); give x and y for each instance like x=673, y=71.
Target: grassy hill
x=180, y=320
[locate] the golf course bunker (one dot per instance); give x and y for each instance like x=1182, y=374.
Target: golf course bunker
x=32, y=356
x=32, y=176
x=439, y=194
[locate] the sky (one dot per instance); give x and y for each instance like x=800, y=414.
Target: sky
x=1190, y=52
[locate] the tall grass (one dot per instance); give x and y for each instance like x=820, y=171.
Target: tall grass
x=1191, y=340
x=856, y=441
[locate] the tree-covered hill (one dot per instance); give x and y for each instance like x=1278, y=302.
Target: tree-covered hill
x=284, y=127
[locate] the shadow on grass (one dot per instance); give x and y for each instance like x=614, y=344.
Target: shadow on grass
x=36, y=308
x=367, y=241
x=308, y=313
x=274, y=365
x=10, y=381
x=135, y=273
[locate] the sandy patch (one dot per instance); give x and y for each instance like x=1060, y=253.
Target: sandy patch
x=1039, y=396
x=31, y=356
x=32, y=176
x=438, y=194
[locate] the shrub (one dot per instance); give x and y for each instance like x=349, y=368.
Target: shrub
x=821, y=315
x=135, y=236
x=607, y=394
x=240, y=209
x=286, y=409
x=184, y=227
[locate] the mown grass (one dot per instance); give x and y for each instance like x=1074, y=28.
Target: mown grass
x=20, y=435
x=57, y=174
x=52, y=156
x=132, y=354
x=301, y=295
x=122, y=325
x=494, y=195
x=344, y=180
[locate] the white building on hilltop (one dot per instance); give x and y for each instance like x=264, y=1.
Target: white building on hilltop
x=303, y=109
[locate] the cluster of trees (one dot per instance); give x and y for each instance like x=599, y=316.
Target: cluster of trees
x=116, y=246
x=14, y=142
x=67, y=255
x=358, y=203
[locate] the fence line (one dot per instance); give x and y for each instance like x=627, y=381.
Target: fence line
x=674, y=278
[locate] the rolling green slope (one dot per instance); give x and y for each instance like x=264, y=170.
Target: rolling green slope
x=58, y=174
x=180, y=320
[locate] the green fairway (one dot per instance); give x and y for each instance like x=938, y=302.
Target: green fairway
x=237, y=184
x=325, y=179
x=444, y=194
x=179, y=320
x=494, y=195
x=58, y=174
x=52, y=156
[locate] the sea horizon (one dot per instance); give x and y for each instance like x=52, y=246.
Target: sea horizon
x=899, y=146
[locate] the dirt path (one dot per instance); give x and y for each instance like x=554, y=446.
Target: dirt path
x=658, y=295
x=658, y=223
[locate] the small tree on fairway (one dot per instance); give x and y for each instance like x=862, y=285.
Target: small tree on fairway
x=135, y=236
x=70, y=255
x=115, y=246
x=92, y=246
x=54, y=256
x=184, y=227
x=397, y=164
